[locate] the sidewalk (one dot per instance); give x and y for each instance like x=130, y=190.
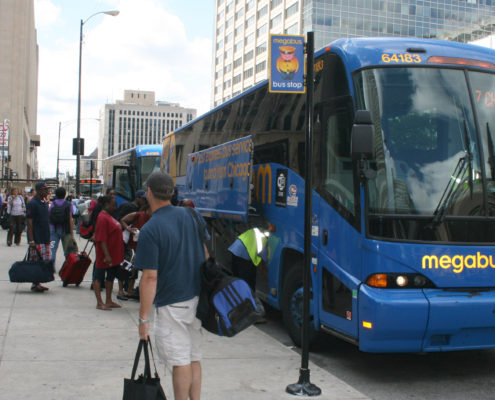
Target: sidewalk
x=56, y=345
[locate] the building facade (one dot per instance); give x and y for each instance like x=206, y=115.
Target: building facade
x=18, y=88
x=242, y=29
x=138, y=119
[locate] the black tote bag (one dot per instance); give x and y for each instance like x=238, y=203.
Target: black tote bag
x=145, y=387
x=39, y=271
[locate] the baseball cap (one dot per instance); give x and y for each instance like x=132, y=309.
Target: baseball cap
x=140, y=193
x=41, y=185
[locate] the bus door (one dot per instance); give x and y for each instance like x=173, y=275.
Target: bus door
x=336, y=226
x=122, y=179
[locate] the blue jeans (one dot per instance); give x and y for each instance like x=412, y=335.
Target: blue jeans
x=56, y=235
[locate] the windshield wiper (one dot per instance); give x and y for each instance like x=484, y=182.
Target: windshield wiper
x=464, y=163
x=491, y=151
x=469, y=155
x=440, y=211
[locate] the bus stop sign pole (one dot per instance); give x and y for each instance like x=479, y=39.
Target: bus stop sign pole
x=304, y=387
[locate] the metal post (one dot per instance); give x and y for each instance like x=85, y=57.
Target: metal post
x=304, y=387
x=58, y=149
x=78, y=147
x=91, y=179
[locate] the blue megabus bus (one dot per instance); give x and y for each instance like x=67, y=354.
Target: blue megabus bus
x=127, y=171
x=403, y=255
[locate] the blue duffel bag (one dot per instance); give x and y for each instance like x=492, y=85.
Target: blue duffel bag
x=38, y=271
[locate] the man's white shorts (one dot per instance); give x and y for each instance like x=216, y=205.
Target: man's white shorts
x=178, y=334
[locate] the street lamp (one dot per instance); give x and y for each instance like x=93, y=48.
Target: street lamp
x=113, y=13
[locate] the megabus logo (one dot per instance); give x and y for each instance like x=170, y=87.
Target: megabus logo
x=458, y=263
x=264, y=179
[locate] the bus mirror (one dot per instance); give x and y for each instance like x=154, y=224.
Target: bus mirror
x=362, y=147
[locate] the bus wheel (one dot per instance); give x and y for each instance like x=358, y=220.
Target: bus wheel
x=292, y=306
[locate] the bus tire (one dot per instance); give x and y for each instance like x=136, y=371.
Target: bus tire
x=292, y=306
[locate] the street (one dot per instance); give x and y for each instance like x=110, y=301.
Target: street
x=432, y=376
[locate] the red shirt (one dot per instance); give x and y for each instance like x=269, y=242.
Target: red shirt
x=108, y=230
x=142, y=218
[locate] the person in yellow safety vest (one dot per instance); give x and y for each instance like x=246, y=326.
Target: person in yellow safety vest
x=248, y=251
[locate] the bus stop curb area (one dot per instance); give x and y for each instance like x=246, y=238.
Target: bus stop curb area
x=56, y=345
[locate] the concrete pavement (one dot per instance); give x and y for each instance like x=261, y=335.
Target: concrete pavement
x=56, y=345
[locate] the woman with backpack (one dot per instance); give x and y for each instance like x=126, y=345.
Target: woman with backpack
x=61, y=224
x=16, y=207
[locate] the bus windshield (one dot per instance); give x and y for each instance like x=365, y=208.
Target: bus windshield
x=435, y=162
x=147, y=165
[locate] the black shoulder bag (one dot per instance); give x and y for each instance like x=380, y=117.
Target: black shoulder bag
x=145, y=387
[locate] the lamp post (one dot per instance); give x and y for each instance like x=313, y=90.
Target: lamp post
x=78, y=139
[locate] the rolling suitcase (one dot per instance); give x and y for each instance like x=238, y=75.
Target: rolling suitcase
x=75, y=267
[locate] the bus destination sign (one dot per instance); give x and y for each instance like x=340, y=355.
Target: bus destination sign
x=286, y=64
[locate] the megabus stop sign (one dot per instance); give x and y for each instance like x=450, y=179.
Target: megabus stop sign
x=287, y=64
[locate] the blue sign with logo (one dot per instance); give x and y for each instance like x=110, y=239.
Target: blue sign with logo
x=287, y=64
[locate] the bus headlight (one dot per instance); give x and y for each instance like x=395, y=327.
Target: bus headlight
x=399, y=281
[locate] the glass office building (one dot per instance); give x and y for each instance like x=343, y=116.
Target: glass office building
x=242, y=29
x=459, y=20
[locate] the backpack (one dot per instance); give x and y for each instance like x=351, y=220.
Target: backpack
x=59, y=215
x=229, y=308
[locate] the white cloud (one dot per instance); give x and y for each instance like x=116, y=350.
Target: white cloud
x=144, y=47
x=46, y=13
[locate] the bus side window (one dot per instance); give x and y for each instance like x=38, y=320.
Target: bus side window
x=122, y=182
x=337, y=165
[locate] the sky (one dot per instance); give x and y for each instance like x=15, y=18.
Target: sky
x=163, y=46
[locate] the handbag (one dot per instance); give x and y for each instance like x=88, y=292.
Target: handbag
x=145, y=387
x=38, y=271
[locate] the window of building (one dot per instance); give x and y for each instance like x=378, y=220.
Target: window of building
x=229, y=22
x=250, y=4
x=237, y=62
x=292, y=30
x=220, y=15
x=229, y=7
x=219, y=59
x=220, y=30
x=228, y=37
x=227, y=68
x=276, y=20
x=260, y=66
x=239, y=14
x=226, y=84
x=260, y=49
x=236, y=79
x=274, y=3
x=238, y=46
x=228, y=53
x=261, y=31
x=248, y=56
x=220, y=44
x=248, y=73
x=249, y=21
x=262, y=12
x=249, y=39
x=293, y=9
x=239, y=30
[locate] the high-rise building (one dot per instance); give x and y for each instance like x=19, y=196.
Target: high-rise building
x=138, y=119
x=242, y=29
x=18, y=89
